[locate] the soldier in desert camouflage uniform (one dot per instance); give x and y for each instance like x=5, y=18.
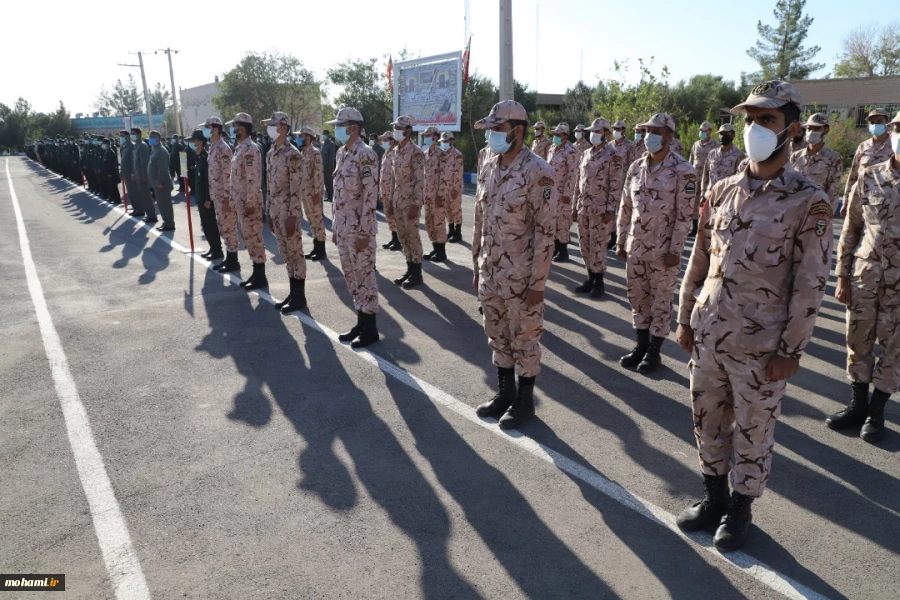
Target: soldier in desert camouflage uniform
x=220, y=191
x=654, y=217
x=601, y=172
x=749, y=300
x=408, y=175
x=699, y=153
x=386, y=188
x=872, y=151
x=453, y=171
x=677, y=147
x=638, y=149
x=820, y=164
x=581, y=143
x=435, y=195
x=355, y=224
x=540, y=145
x=624, y=147
x=562, y=161
x=246, y=194
x=284, y=174
x=868, y=271
x=514, y=226
x=312, y=180
x=722, y=162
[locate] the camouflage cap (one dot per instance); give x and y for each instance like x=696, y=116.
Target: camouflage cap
x=278, y=118
x=507, y=110
x=241, y=118
x=705, y=126
x=447, y=136
x=432, y=130
x=620, y=124
x=212, y=121
x=346, y=114
x=403, y=121
x=896, y=119
x=659, y=120
x=306, y=129
x=818, y=120
x=387, y=135
x=540, y=125
x=771, y=94
x=561, y=128
x=599, y=124
x=726, y=127
x=579, y=127
x=878, y=112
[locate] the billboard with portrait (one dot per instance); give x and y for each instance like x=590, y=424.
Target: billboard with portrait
x=430, y=91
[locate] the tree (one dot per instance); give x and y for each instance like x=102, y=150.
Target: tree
x=122, y=101
x=868, y=51
x=159, y=98
x=478, y=97
x=578, y=105
x=634, y=102
x=263, y=83
x=364, y=86
x=702, y=96
x=779, y=51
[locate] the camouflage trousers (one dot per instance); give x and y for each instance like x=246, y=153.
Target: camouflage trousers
x=313, y=212
x=454, y=209
x=513, y=329
x=651, y=288
x=593, y=235
x=290, y=247
x=435, y=219
x=359, y=273
x=391, y=220
x=735, y=410
x=251, y=218
x=226, y=219
x=869, y=319
x=563, y=221
x=408, y=234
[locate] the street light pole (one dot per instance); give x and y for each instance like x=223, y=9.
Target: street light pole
x=169, y=51
x=506, y=51
x=146, y=92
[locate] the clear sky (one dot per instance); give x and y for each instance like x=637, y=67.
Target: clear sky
x=65, y=51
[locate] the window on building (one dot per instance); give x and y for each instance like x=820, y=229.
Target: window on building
x=862, y=111
x=810, y=109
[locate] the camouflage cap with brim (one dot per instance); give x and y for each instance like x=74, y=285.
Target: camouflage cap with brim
x=878, y=112
x=726, y=127
x=599, y=124
x=619, y=124
x=507, y=110
x=561, y=129
x=346, y=114
x=579, y=127
x=658, y=120
x=432, y=130
x=387, y=135
x=403, y=121
x=706, y=126
x=771, y=94
x=447, y=136
x=278, y=118
x=540, y=125
x=241, y=118
x=212, y=121
x=818, y=120
x=896, y=119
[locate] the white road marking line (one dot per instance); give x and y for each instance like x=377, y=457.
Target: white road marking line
x=112, y=532
x=745, y=563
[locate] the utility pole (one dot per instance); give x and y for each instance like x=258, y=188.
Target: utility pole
x=144, y=83
x=506, y=51
x=169, y=51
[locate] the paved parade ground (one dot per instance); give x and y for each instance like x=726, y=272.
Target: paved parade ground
x=166, y=435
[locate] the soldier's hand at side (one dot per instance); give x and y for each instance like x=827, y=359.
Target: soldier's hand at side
x=781, y=367
x=413, y=212
x=534, y=297
x=271, y=224
x=362, y=242
x=290, y=226
x=622, y=254
x=672, y=260
x=475, y=282
x=684, y=335
x=607, y=218
x=208, y=204
x=842, y=291
x=439, y=202
x=843, y=210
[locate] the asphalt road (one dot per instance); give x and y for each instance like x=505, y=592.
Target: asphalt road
x=251, y=455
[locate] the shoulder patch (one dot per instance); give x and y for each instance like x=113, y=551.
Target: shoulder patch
x=418, y=159
x=690, y=176
x=366, y=162
x=820, y=207
x=367, y=171
x=691, y=188
x=545, y=181
x=821, y=227
x=249, y=161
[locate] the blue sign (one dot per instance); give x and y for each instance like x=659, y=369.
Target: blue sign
x=115, y=122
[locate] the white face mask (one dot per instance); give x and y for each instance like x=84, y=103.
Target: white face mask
x=761, y=142
x=895, y=142
x=578, y=135
x=617, y=135
x=814, y=137
x=596, y=138
x=398, y=135
x=272, y=131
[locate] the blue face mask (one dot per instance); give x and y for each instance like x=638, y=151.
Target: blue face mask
x=207, y=132
x=498, y=143
x=877, y=129
x=299, y=142
x=427, y=142
x=445, y=146
x=557, y=140
x=703, y=135
x=340, y=133
x=121, y=139
x=487, y=135
x=654, y=143
x=324, y=137
x=638, y=137
x=386, y=145
x=152, y=141
x=133, y=137
x=193, y=146
x=231, y=131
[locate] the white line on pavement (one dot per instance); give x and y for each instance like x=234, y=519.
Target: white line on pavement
x=112, y=532
x=749, y=565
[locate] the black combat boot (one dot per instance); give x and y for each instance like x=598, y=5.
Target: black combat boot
x=395, y=244
x=651, y=359
x=257, y=280
x=694, y=226
x=405, y=276
x=855, y=414
x=298, y=296
x=505, y=396
x=563, y=255
x=709, y=511
x=354, y=331
x=415, y=276
x=522, y=407
x=213, y=254
x=613, y=238
x=588, y=284
x=456, y=237
x=318, y=251
x=873, y=429
x=556, y=247
x=440, y=254
x=633, y=359
x=369, y=333
x=231, y=263
x=287, y=300
x=735, y=527
x=432, y=254
x=599, y=287
x=391, y=243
